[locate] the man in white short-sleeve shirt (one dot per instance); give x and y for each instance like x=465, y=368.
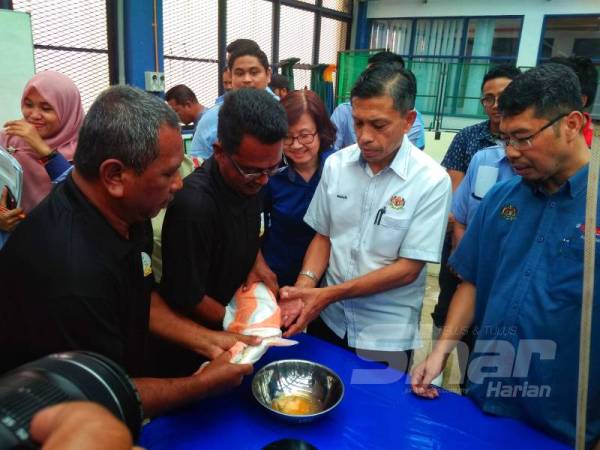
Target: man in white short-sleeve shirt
x=380, y=214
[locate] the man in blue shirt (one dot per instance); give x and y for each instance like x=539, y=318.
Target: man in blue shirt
x=184, y=102
x=456, y=161
x=521, y=261
x=249, y=67
x=342, y=115
x=488, y=167
x=342, y=118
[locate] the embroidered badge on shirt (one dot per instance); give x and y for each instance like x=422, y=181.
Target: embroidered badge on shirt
x=146, y=264
x=397, y=202
x=509, y=212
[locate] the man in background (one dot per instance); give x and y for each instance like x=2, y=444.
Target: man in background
x=465, y=144
x=249, y=67
x=342, y=115
x=184, y=102
x=280, y=85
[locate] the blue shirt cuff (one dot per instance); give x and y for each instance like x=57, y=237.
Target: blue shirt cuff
x=57, y=166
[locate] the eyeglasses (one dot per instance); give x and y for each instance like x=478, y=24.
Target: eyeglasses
x=256, y=174
x=525, y=143
x=489, y=100
x=303, y=139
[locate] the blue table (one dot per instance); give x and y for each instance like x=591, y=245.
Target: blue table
x=371, y=416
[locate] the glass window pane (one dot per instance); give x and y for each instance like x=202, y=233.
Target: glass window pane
x=251, y=19
x=491, y=37
x=572, y=35
x=79, y=24
x=438, y=37
x=333, y=39
x=392, y=34
x=338, y=5
x=296, y=34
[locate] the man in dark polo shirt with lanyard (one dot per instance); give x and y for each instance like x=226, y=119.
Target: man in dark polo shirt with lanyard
x=76, y=274
x=211, y=233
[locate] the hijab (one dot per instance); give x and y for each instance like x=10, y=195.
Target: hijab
x=62, y=94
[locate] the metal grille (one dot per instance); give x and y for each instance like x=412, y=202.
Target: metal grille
x=70, y=37
x=191, y=47
x=333, y=39
x=338, y=5
x=296, y=35
x=251, y=19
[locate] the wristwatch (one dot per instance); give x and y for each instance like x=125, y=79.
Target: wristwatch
x=310, y=274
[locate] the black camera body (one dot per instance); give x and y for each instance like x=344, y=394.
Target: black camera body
x=59, y=378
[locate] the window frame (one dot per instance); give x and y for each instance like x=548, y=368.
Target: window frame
x=463, y=40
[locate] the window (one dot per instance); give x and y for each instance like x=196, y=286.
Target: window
x=577, y=35
x=571, y=35
x=496, y=38
x=458, y=39
x=450, y=56
x=71, y=38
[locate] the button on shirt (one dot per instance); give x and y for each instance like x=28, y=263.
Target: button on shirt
x=485, y=162
x=466, y=143
x=205, y=134
x=287, y=197
x=345, y=136
x=524, y=253
x=372, y=221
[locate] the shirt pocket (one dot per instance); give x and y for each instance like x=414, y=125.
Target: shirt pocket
x=389, y=235
x=567, y=269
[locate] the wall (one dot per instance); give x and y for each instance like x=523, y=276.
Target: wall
x=533, y=11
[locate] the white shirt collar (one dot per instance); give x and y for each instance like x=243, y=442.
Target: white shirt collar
x=400, y=162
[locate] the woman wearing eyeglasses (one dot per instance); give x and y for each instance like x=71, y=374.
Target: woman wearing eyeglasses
x=308, y=144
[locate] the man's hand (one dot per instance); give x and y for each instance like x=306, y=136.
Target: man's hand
x=313, y=302
x=424, y=373
x=290, y=310
x=220, y=375
x=215, y=343
x=9, y=218
x=79, y=425
x=29, y=133
x=261, y=272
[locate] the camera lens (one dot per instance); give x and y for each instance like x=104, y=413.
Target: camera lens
x=64, y=377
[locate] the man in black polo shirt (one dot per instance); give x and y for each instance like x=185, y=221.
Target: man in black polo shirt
x=211, y=231
x=76, y=275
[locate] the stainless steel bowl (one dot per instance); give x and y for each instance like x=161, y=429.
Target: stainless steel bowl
x=299, y=378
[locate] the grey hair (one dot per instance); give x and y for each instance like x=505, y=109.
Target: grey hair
x=122, y=123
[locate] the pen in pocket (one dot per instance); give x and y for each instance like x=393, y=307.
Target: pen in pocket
x=379, y=215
